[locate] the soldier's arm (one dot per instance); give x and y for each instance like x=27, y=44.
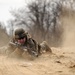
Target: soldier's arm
x=14, y=43
x=32, y=48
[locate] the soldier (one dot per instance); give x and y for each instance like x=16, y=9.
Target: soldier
x=23, y=40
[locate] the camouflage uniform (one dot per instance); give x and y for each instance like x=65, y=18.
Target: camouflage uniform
x=32, y=46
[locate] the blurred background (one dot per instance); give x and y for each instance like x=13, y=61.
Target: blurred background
x=49, y=20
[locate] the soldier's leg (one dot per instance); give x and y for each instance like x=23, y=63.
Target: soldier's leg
x=32, y=52
x=45, y=47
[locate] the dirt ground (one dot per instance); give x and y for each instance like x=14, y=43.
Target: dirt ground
x=60, y=62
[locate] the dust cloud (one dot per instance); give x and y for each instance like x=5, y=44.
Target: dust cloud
x=69, y=30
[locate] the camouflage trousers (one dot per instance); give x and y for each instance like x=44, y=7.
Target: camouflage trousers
x=45, y=47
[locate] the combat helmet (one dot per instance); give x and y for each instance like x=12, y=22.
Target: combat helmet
x=19, y=33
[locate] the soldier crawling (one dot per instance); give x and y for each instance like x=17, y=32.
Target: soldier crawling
x=23, y=41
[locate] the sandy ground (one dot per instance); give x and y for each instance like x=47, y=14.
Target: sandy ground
x=60, y=62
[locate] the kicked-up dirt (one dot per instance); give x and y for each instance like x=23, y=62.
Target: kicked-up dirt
x=60, y=62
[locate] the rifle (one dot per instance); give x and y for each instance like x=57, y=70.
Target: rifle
x=17, y=45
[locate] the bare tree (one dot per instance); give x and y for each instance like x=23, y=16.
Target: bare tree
x=40, y=18
x=10, y=27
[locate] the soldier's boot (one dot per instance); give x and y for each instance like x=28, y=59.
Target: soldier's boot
x=45, y=47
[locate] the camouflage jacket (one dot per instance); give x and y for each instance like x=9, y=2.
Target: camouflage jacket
x=32, y=46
